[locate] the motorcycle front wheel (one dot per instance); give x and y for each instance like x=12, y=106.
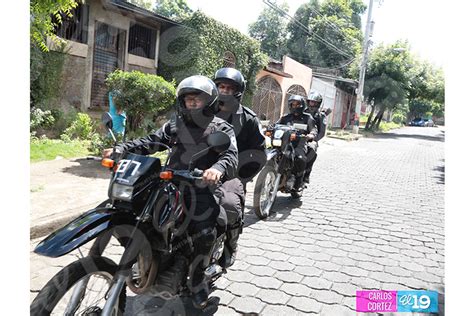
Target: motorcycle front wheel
x=265, y=192
x=78, y=289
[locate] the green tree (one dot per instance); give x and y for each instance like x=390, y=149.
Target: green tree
x=327, y=34
x=173, y=9
x=145, y=4
x=298, y=44
x=426, y=90
x=41, y=19
x=270, y=31
x=387, y=79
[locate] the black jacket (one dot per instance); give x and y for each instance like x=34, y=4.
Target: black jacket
x=250, y=142
x=321, y=123
x=305, y=118
x=186, y=142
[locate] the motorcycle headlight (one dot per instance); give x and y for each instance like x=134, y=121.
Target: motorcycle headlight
x=276, y=142
x=122, y=192
x=278, y=134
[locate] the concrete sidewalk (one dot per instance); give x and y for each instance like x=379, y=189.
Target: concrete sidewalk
x=62, y=189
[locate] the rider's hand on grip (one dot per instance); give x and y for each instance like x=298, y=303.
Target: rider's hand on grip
x=211, y=176
x=106, y=153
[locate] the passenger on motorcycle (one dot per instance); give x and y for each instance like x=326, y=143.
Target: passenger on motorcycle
x=251, y=145
x=186, y=133
x=296, y=106
x=315, y=100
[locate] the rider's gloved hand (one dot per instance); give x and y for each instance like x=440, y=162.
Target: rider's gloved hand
x=211, y=176
x=106, y=153
x=310, y=137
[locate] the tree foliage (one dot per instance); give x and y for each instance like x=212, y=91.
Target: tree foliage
x=145, y=4
x=41, y=19
x=299, y=46
x=142, y=96
x=173, y=9
x=388, y=78
x=334, y=38
x=270, y=31
x=426, y=90
x=199, y=47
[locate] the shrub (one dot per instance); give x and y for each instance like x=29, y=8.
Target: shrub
x=81, y=128
x=199, y=47
x=40, y=119
x=142, y=96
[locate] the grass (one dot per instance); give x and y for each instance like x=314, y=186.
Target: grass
x=49, y=149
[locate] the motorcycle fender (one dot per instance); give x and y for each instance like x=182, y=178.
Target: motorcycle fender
x=81, y=230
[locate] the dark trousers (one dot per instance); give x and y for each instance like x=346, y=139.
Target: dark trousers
x=300, y=161
x=231, y=197
x=310, y=158
x=202, y=212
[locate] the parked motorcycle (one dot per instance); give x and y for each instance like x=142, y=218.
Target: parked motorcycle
x=277, y=174
x=145, y=214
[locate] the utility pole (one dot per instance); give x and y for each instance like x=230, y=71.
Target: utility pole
x=363, y=64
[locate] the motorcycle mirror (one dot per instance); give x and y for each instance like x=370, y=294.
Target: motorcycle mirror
x=218, y=141
x=328, y=111
x=107, y=121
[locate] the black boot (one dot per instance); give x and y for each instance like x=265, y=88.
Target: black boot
x=298, y=182
x=306, y=177
x=199, y=283
x=230, y=250
x=168, y=282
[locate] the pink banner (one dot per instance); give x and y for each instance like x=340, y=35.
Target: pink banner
x=376, y=301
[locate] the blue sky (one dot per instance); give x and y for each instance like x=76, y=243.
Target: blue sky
x=422, y=22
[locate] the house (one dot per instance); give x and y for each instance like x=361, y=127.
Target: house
x=275, y=83
x=102, y=36
x=342, y=102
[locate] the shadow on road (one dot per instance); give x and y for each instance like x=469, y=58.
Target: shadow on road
x=280, y=210
x=440, y=169
x=142, y=305
x=88, y=169
x=439, y=137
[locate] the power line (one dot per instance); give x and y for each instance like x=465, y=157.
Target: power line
x=305, y=29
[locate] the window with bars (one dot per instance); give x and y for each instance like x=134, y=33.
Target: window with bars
x=142, y=41
x=229, y=59
x=74, y=28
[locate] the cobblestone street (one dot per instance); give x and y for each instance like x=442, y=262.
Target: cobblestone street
x=371, y=218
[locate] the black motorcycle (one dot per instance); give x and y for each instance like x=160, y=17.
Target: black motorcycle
x=145, y=214
x=278, y=175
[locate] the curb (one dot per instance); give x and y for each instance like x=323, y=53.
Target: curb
x=54, y=222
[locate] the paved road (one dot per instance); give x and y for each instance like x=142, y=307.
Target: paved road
x=372, y=218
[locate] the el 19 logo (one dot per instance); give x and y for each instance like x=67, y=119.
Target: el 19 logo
x=417, y=301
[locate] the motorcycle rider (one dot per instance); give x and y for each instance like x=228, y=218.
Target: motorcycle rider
x=251, y=146
x=296, y=106
x=186, y=133
x=315, y=100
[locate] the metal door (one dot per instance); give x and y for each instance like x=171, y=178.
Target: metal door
x=266, y=101
x=108, y=56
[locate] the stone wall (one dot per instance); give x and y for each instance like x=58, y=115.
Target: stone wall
x=73, y=86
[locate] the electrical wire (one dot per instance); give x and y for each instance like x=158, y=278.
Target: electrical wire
x=306, y=30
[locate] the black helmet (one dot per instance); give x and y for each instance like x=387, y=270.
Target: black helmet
x=299, y=110
x=314, y=96
x=234, y=77
x=202, y=86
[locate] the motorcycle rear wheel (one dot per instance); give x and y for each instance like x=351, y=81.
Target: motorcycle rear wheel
x=264, y=194
x=50, y=299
